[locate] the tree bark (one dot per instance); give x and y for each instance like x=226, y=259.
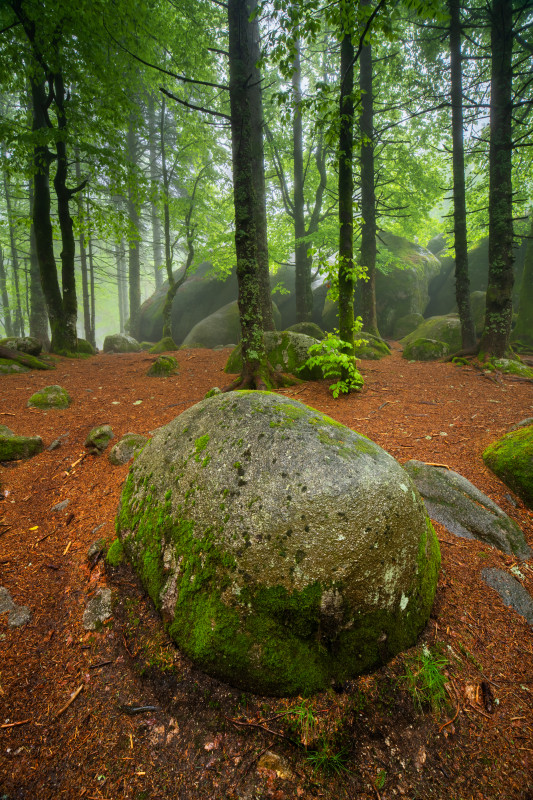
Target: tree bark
x=134, y=257
x=368, y=192
x=523, y=330
x=302, y=278
x=19, y=318
x=498, y=314
x=157, y=250
x=38, y=316
x=83, y=260
x=462, y=279
x=346, y=281
x=242, y=49
x=8, y=324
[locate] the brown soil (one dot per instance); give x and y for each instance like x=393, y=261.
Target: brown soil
x=205, y=739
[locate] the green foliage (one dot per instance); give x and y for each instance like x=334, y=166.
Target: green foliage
x=328, y=760
x=424, y=679
x=331, y=356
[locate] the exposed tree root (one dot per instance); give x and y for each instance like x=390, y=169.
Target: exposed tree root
x=262, y=382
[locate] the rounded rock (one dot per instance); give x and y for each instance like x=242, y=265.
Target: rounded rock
x=283, y=550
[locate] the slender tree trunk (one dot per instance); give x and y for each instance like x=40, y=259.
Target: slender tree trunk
x=368, y=192
x=172, y=284
x=498, y=315
x=19, y=318
x=8, y=324
x=242, y=49
x=68, y=341
x=119, y=261
x=38, y=316
x=157, y=250
x=346, y=281
x=462, y=279
x=83, y=258
x=523, y=330
x=255, y=100
x=92, y=293
x=302, y=282
x=134, y=258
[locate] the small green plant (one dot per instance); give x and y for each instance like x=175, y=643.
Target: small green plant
x=326, y=759
x=424, y=679
x=331, y=356
x=379, y=783
x=305, y=721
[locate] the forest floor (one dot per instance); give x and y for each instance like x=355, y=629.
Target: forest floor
x=205, y=739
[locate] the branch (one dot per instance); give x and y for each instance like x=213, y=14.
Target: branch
x=194, y=107
x=278, y=166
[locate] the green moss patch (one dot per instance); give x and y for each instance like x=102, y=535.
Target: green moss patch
x=50, y=397
x=163, y=367
x=511, y=459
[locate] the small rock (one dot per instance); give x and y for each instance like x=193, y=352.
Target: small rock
x=95, y=552
x=98, y=439
x=212, y=392
x=50, y=397
x=20, y=616
x=275, y=763
x=124, y=451
x=510, y=590
x=98, y=610
x=60, y=506
x=6, y=601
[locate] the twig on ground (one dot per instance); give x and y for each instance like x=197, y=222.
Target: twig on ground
x=70, y=700
x=14, y=724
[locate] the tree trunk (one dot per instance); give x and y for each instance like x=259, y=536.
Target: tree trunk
x=368, y=192
x=65, y=340
x=134, y=258
x=172, y=287
x=498, y=314
x=19, y=318
x=92, y=294
x=119, y=260
x=462, y=279
x=157, y=250
x=302, y=278
x=4, y=297
x=346, y=281
x=523, y=330
x=242, y=50
x=83, y=259
x=38, y=316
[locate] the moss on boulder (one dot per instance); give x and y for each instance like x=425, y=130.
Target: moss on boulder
x=286, y=351
x=511, y=459
x=445, y=329
x=8, y=367
x=125, y=450
x=511, y=366
x=98, y=439
x=369, y=347
x=23, y=344
x=164, y=346
x=163, y=367
x=121, y=343
x=283, y=550
x=308, y=329
x=13, y=447
x=50, y=397
x=86, y=348
x=425, y=350
x=406, y=325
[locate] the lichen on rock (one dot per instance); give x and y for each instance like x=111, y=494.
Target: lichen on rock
x=511, y=459
x=282, y=549
x=50, y=397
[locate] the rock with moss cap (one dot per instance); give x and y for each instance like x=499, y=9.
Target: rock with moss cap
x=286, y=351
x=308, y=329
x=425, y=350
x=121, y=343
x=8, y=367
x=24, y=344
x=163, y=367
x=86, y=348
x=445, y=329
x=98, y=439
x=13, y=447
x=283, y=550
x=163, y=346
x=50, y=397
x=129, y=445
x=511, y=459
x=370, y=347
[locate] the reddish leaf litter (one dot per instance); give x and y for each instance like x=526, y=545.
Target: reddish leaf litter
x=68, y=697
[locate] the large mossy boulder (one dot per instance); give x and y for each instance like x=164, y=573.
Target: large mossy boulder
x=13, y=447
x=370, y=347
x=121, y=343
x=23, y=344
x=308, y=329
x=50, y=397
x=8, y=367
x=283, y=550
x=445, y=329
x=220, y=328
x=511, y=459
x=425, y=350
x=286, y=352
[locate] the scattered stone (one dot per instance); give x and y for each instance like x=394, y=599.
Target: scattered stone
x=99, y=608
x=23, y=344
x=282, y=549
x=274, y=763
x=465, y=511
x=50, y=397
x=511, y=459
x=121, y=343
x=98, y=439
x=425, y=350
x=98, y=528
x=525, y=423
x=60, y=506
x=164, y=366
x=510, y=366
x=20, y=616
x=54, y=445
x=13, y=447
x=510, y=590
x=95, y=552
x=9, y=367
x=129, y=445
x=17, y=615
